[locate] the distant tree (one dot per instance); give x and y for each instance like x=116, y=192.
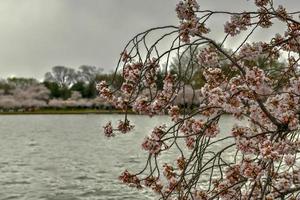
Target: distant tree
x=65, y=92
x=79, y=87
x=38, y=92
x=30, y=97
x=87, y=90
x=12, y=83
x=88, y=73
x=61, y=81
x=61, y=75
x=8, y=102
x=90, y=90
x=54, y=89
x=75, y=95
x=5, y=87
x=22, y=82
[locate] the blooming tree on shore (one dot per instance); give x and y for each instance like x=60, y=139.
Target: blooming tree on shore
x=266, y=147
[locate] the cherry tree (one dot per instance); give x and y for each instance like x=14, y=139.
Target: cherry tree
x=265, y=147
x=25, y=96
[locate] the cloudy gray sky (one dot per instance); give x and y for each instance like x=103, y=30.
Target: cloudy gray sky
x=36, y=35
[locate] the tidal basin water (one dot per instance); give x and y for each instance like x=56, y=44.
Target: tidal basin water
x=67, y=157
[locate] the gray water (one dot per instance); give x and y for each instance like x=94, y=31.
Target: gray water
x=66, y=157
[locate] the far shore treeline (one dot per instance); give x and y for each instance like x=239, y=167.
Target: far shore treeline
x=62, y=88
x=65, y=88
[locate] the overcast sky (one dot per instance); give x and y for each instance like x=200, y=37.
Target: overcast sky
x=36, y=35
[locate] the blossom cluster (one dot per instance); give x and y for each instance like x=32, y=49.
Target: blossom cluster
x=130, y=179
x=237, y=24
x=104, y=91
x=252, y=52
x=258, y=81
x=122, y=127
x=131, y=74
x=208, y=57
x=174, y=112
x=261, y=3
x=190, y=25
x=153, y=143
x=162, y=100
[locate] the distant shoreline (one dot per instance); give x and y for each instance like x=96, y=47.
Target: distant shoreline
x=74, y=111
x=65, y=112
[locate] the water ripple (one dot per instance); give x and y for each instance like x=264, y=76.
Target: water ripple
x=55, y=157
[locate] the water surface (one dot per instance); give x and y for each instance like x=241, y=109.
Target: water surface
x=66, y=157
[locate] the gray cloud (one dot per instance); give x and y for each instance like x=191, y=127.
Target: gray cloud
x=38, y=34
